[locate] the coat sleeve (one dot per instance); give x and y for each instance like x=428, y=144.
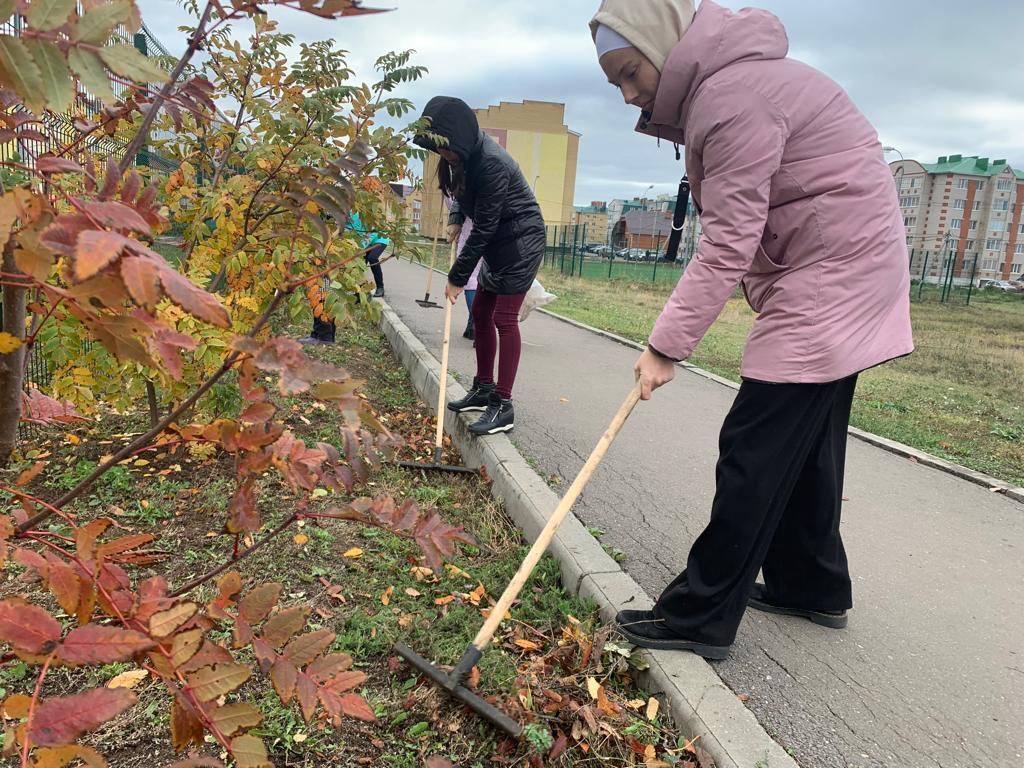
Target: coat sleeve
x=740, y=137
x=455, y=215
x=490, y=201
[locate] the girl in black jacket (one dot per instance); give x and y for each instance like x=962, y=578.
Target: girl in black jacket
x=508, y=234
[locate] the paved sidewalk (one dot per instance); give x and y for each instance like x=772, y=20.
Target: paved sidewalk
x=930, y=671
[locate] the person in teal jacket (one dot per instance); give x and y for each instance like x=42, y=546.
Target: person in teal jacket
x=376, y=243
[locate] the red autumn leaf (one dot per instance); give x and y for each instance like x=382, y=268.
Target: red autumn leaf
x=198, y=762
x=257, y=413
x=27, y=627
x=96, y=249
x=326, y=667
x=558, y=748
x=283, y=676
x=210, y=683
x=42, y=409
x=307, y=692
x=232, y=718
x=95, y=644
x=124, y=544
x=357, y=707
x=62, y=720
x=209, y=654
x=243, y=516
x=117, y=216
x=142, y=279
x=53, y=164
x=131, y=188
x=193, y=299
x=258, y=604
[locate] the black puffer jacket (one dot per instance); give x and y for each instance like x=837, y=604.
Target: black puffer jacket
x=508, y=228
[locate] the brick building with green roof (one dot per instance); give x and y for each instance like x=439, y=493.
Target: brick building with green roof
x=967, y=210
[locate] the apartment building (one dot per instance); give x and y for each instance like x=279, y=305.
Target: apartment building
x=967, y=209
x=595, y=218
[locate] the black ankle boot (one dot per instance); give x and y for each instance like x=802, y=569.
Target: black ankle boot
x=468, y=333
x=499, y=417
x=477, y=400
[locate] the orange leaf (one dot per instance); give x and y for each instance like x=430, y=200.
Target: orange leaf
x=185, y=646
x=63, y=582
x=307, y=691
x=210, y=683
x=283, y=625
x=62, y=720
x=16, y=706
x=186, y=727
x=249, y=752
x=283, y=676
x=305, y=648
x=243, y=515
x=385, y=599
x=256, y=605
x=301, y=539
x=326, y=667
x=27, y=627
x=527, y=645
x=356, y=706
x=165, y=623
x=95, y=644
x=232, y=718
x=443, y=600
x=95, y=250
x=142, y=279
x=30, y=474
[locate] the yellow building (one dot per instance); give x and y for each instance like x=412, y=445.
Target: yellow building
x=595, y=218
x=535, y=134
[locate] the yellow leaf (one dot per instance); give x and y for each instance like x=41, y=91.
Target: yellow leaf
x=594, y=687
x=128, y=679
x=354, y=552
x=385, y=599
x=420, y=572
x=444, y=600
x=652, y=708
x=300, y=539
x=142, y=462
x=72, y=438
x=8, y=343
x=298, y=738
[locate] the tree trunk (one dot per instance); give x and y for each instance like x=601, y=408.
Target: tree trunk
x=12, y=365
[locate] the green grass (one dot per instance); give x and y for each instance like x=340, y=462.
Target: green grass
x=958, y=396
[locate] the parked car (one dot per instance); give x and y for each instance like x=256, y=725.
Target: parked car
x=1000, y=285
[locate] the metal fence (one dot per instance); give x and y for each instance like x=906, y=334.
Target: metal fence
x=946, y=277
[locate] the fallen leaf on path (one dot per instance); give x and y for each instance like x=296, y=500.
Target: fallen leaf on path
x=652, y=708
x=353, y=553
x=527, y=645
x=594, y=687
x=300, y=539
x=385, y=599
x=412, y=592
x=444, y=600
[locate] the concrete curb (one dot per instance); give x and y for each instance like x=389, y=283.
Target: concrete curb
x=993, y=484
x=699, y=701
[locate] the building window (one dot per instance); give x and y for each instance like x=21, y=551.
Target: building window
x=959, y=204
x=910, y=221
x=956, y=224
x=997, y=226
x=981, y=185
x=993, y=244
x=1000, y=205
x=969, y=246
x=1015, y=267
x=910, y=202
x=1004, y=185
x=988, y=265
x=974, y=225
x=1018, y=249
x=962, y=183
x=977, y=205
x=1021, y=230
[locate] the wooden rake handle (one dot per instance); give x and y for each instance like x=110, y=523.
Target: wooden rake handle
x=442, y=389
x=486, y=633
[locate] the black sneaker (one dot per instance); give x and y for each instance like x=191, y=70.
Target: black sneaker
x=477, y=399
x=830, y=619
x=500, y=416
x=469, y=333
x=379, y=293
x=644, y=630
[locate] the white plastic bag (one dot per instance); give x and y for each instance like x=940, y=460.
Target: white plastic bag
x=535, y=297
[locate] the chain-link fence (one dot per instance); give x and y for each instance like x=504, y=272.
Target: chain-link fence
x=948, y=277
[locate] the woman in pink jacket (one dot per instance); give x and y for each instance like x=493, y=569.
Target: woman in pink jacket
x=799, y=209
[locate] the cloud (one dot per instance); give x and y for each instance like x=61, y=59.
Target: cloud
x=935, y=77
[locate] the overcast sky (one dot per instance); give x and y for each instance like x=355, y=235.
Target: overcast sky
x=936, y=77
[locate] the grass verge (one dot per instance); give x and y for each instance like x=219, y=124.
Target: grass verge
x=958, y=396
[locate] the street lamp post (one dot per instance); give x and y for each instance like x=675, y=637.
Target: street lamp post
x=898, y=176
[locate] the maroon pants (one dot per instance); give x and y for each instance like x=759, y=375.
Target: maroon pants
x=496, y=318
